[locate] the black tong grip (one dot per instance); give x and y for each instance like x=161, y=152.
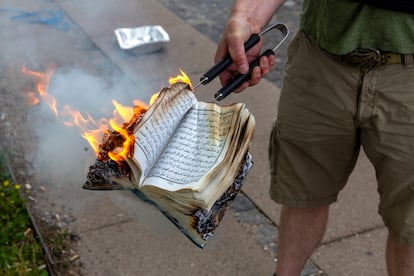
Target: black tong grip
x=241, y=78
x=227, y=61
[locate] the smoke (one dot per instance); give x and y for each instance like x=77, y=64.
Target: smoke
x=63, y=157
x=62, y=152
x=59, y=156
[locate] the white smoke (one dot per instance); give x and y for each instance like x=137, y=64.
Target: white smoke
x=63, y=157
x=58, y=154
x=62, y=152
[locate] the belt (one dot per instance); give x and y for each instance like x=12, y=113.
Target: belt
x=367, y=59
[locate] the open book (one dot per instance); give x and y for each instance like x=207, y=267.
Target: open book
x=189, y=159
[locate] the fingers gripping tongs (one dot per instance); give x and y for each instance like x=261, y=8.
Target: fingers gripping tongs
x=235, y=82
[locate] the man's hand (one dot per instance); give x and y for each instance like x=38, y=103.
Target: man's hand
x=236, y=32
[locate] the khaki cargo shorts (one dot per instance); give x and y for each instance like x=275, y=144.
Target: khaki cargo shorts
x=327, y=112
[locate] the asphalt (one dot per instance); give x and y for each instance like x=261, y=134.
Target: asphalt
x=119, y=234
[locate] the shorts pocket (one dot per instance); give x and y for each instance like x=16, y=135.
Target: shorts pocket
x=274, y=147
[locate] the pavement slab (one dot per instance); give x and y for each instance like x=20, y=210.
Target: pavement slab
x=361, y=254
x=120, y=235
x=146, y=251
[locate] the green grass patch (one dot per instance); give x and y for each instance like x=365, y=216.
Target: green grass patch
x=20, y=252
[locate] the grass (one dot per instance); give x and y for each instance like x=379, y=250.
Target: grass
x=20, y=252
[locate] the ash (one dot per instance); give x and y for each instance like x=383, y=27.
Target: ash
x=208, y=220
x=101, y=173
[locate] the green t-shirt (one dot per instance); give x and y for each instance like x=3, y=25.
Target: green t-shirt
x=340, y=26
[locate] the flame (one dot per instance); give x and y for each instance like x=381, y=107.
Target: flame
x=42, y=87
x=94, y=130
x=181, y=78
x=121, y=153
x=31, y=98
x=153, y=98
x=125, y=112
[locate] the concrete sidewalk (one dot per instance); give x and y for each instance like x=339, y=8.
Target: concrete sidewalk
x=119, y=235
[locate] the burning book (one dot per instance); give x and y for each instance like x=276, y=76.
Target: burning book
x=186, y=157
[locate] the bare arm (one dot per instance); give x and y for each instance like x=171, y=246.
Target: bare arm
x=246, y=17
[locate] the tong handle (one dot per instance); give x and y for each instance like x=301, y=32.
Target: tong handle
x=227, y=61
x=241, y=78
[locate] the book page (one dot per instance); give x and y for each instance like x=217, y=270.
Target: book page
x=197, y=145
x=159, y=123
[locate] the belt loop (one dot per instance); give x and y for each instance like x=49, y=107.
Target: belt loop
x=408, y=60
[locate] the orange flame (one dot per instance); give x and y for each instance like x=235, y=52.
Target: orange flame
x=93, y=130
x=31, y=98
x=42, y=87
x=119, y=154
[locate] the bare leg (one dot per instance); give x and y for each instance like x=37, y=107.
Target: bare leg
x=300, y=232
x=400, y=258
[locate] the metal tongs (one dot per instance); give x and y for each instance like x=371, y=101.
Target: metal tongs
x=235, y=82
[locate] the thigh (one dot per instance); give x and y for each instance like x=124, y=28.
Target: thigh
x=314, y=143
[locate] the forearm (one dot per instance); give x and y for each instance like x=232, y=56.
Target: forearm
x=257, y=12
